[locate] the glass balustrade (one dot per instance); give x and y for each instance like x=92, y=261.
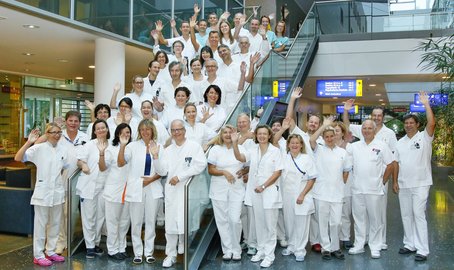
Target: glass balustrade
x=74, y=222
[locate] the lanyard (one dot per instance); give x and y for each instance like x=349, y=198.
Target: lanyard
x=296, y=165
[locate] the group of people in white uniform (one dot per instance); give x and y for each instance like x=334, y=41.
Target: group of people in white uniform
x=314, y=180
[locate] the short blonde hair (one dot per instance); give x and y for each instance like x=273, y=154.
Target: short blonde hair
x=51, y=125
x=300, y=139
x=219, y=140
x=148, y=124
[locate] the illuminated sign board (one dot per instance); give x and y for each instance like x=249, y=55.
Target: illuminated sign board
x=436, y=99
x=280, y=87
x=340, y=109
x=417, y=108
x=339, y=88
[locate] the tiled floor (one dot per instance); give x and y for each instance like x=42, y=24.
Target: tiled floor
x=441, y=237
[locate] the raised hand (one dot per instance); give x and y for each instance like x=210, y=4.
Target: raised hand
x=192, y=22
x=153, y=149
x=206, y=113
x=89, y=105
x=124, y=139
x=154, y=34
x=349, y=104
x=297, y=92
x=102, y=146
x=128, y=115
x=254, y=58
x=286, y=123
x=262, y=30
x=424, y=98
x=173, y=24
x=196, y=9
x=259, y=112
x=158, y=25
x=243, y=20
x=328, y=121
x=224, y=16
x=33, y=136
x=243, y=67
x=117, y=87
x=234, y=136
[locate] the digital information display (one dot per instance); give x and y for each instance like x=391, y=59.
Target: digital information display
x=339, y=88
x=414, y=108
x=340, y=109
x=280, y=87
x=436, y=99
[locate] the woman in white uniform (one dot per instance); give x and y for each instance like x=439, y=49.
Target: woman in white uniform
x=101, y=111
x=143, y=189
x=333, y=165
x=90, y=186
x=124, y=116
x=196, y=131
x=227, y=193
x=262, y=190
x=211, y=113
x=298, y=177
x=175, y=111
x=195, y=80
x=117, y=212
x=49, y=194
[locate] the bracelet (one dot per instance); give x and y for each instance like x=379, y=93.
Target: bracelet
x=101, y=155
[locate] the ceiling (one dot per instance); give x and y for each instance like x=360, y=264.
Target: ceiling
x=57, y=50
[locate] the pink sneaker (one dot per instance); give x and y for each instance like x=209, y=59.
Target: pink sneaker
x=42, y=262
x=56, y=258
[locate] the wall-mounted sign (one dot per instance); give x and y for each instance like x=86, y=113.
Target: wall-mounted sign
x=339, y=88
x=435, y=99
x=414, y=108
x=353, y=110
x=280, y=87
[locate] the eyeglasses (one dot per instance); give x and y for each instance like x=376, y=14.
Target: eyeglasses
x=138, y=82
x=55, y=132
x=175, y=130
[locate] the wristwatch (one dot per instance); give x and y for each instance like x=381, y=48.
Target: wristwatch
x=263, y=186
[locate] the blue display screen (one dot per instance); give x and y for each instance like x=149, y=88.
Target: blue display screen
x=339, y=88
x=417, y=108
x=436, y=99
x=340, y=109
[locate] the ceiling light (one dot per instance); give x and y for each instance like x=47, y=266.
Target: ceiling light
x=63, y=85
x=380, y=100
x=79, y=78
x=378, y=95
x=63, y=61
x=28, y=54
x=383, y=104
x=445, y=77
x=92, y=66
x=372, y=85
x=26, y=70
x=30, y=26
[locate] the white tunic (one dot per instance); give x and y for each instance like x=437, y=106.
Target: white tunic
x=414, y=156
x=216, y=121
x=167, y=92
x=293, y=182
x=196, y=87
x=72, y=147
x=229, y=90
x=183, y=161
x=369, y=162
x=260, y=170
x=224, y=159
x=148, y=88
x=136, y=102
x=135, y=154
x=188, y=51
x=331, y=164
x=199, y=133
x=170, y=113
x=385, y=134
x=306, y=139
x=49, y=161
x=134, y=124
x=116, y=179
x=163, y=134
x=95, y=180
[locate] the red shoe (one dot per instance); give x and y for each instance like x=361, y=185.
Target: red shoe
x=42, y=262
x=317, y=248
x=56, y=258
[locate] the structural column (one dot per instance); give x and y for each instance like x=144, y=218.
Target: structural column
x=109, y=68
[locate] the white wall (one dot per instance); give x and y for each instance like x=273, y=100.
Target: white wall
x=370, y=57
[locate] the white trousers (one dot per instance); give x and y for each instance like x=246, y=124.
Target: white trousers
x=384, y=211
x=329, y=216
x=245, y=223
x=117, y=224
x=280, y=231
x=92, y=214
x=296, y=227
x=227, y=215
x=367, y=207
x=138, y=211
x=172, y=241
x=413, y=203
x=266, y=219
x=47, y=222
x=252, y=236
x=346, y=222
x=314, y=234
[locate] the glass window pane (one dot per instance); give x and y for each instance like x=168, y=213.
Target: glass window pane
x=60, y=7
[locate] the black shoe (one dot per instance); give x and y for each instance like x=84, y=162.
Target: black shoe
x=338, y=254
x=347, y=245
x=405, y=250
x=420, y=258
x=125, y=255
x=91, y=254
x=326, y=255
x=117, y=257
x=98, y=251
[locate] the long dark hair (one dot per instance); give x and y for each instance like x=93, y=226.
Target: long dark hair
x=93, y=135
x=118, y=130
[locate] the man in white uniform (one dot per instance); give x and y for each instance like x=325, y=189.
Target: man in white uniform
x=370, y=157
x=181, y=160
x=384, y=134
x=189, y=51
x=414, y=152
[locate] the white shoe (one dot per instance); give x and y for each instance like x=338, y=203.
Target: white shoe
x=266, y=263
x=181, y=248
x=375, y=254
x=160, y=223
x=384, y=246
x=227, y=257
x=257, y=257
x=283, y=243
x=286, y=252
x=168, y=261
x=299, y=258
x=355, y=250
x=236, y=257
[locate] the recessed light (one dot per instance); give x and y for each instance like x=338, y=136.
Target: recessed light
x=380, y=100
x=79, y=78
x=372, y=85
x=30, y=26
x=63, y=61
x=63, y=85
x=378, y=95
x=92, y=66
x=28, y=54
x=383, y=104
x=445, y=77
x=26, y=70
